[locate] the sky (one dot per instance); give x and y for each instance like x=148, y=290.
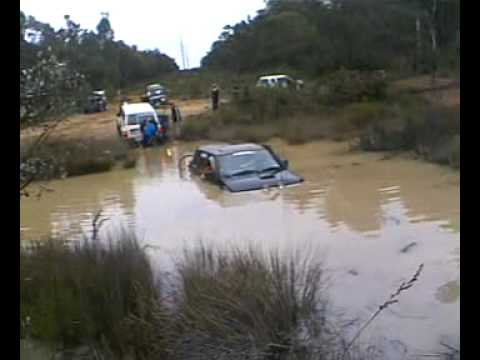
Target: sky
x=151, y=24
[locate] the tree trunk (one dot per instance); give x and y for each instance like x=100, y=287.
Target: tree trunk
x=433, y=35
x=419, y=44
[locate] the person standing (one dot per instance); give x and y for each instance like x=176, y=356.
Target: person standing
x=176, y=118
x=149, y=132
x=215, y=93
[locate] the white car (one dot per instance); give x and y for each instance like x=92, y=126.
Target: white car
x=279, y=81
x=131, y=116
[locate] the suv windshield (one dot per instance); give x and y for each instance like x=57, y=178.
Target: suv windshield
x=155, y=88
x=136, y=119
x=244, y=162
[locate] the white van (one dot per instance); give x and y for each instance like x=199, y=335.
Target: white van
x=279, y=81
x=131, y=116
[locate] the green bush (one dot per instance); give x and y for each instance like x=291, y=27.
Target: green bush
x=433, y=133
x=83, y=166
x=346, y=86
x=83, y=294
x=360, y=115
x=196, y=128
x=67, y=158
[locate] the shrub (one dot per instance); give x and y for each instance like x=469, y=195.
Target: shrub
x=345, y=86
x=242, y=304
x=67, y=158
x=360, y=115
x=196, y=128
x=433, y=133
x=83, y=166
x=84, y=293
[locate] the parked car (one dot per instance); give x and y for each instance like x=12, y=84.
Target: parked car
x=279, y=81
x=242, y=167
x=96, y=102
x=156, y=95
x=130, y=118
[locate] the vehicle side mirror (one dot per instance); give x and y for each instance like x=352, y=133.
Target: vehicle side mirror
x=285, y=164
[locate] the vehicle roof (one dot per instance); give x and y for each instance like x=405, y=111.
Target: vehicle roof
x=155, y=85
x=137, y=108
x=225, y=149
x=268, y=77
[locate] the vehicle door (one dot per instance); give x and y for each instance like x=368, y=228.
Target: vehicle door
x=204, y=165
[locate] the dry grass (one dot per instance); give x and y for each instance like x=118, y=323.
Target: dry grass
x=243, y=304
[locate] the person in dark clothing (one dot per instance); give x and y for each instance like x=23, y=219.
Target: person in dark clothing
x=176, y=118
x=215, y=96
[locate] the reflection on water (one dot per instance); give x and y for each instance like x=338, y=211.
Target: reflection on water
x=358, y=211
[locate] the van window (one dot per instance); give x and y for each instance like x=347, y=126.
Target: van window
x=283, y=82
x=264, y=82
x=136, y=119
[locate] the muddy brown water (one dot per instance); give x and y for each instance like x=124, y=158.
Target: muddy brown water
x=371, y=221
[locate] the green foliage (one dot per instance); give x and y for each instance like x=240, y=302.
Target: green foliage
x=78, y=166
x=83, y=293
x=104, y=29
x=106, y=64
x=65, y=158
x=315, y=37
x=360, y=115
x=346, y=86
x=432, y=132
x=196, y=128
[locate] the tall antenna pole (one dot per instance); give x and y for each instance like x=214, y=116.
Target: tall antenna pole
x=186, y=56
x=183, y=53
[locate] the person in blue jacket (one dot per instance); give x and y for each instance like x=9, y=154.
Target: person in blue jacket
x=149, y=132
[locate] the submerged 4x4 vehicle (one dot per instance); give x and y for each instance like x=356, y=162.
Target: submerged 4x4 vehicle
x=156, y=95
x=242, y=167
x=96, y=102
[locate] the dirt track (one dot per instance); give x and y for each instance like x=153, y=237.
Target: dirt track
x=101, y=126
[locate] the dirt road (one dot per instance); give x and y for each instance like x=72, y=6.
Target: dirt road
x=101, y=126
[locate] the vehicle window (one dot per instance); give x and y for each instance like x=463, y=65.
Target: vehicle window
x=203, y=161
x=136, y=119
x=132, y=120
x=255, y=161
x=154, y=88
